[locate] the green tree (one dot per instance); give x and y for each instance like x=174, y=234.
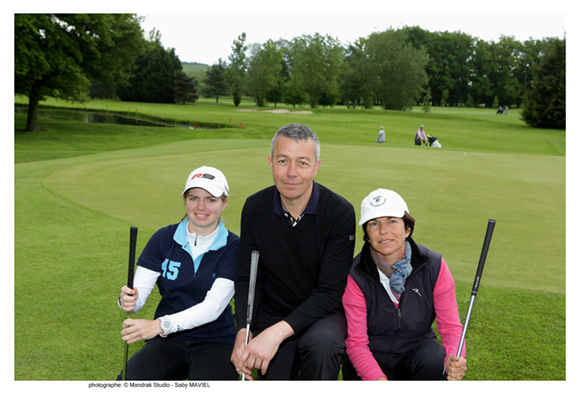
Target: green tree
x=236, y=71
x=531, y=53
x=294, y=93
x=399, y=69
x=185, y=88
x=214, y=84
x=317, y=64
x=264, y=69
x=59, y=55
x=545, y=103
x=504, y=57
x=482, y=66
x=153, y=80
x=278, y=92
x=448, y=68
x=357, y=79
x=459, y=48
x=291, y=90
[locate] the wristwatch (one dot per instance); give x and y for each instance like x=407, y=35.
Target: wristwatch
x=166, y=326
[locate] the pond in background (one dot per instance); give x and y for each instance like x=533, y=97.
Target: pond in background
x=96, y=117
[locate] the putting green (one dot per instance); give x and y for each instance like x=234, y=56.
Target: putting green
x=451, y=193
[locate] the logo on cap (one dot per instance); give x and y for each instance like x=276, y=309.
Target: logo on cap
x=378, y=201
x=206, y=176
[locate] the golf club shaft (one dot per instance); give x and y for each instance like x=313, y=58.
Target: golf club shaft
x=251, y=295
x=479, y=272
x=460, y=349
x=130, y=276
x=246, y=344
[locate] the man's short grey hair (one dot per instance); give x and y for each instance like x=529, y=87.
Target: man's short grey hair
x=297, y=132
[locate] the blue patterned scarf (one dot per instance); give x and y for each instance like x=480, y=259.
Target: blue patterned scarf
x=401, y=271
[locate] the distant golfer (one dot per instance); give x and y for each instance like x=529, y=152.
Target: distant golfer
x=396, y=289
x=194, y=264
x=305, y=235
x=381, y=136
x=420, y=136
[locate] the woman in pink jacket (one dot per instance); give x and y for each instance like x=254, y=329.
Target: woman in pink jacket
x=396, y=289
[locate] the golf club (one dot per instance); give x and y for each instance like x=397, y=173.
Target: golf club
x=130, y=274
x=486, y=242
x=251, y=294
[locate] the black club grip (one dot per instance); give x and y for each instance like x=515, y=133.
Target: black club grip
x=132, y=247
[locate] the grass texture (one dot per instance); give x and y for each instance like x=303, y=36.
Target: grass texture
x=79, y=187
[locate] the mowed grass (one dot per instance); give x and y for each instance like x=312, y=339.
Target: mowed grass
x=79, y=187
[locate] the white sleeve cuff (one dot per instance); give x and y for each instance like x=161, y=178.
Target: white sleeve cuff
x=144, y=281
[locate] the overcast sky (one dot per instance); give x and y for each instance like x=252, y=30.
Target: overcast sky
x=204, y=30
x=206, y=33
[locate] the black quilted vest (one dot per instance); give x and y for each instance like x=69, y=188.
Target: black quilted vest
x=394, y=332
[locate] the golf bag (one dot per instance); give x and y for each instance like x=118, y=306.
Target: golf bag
x=432, y=141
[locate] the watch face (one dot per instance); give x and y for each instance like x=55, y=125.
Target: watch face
x=166, y=324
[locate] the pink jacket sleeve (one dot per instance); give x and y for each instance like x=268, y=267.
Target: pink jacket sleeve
x=357, y=340
x=446, y=313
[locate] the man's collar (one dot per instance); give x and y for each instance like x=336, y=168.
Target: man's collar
x=311, y=207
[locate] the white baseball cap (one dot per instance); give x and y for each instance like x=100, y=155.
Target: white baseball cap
x=208, y=178
x=380, y=203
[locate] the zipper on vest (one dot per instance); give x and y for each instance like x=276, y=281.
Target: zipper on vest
x=399, y=316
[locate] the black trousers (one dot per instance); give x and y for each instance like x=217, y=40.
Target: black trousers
x=171, y=359
x=316, y=354
x=424, y=362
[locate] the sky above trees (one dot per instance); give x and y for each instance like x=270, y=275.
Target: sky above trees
x=220, y=29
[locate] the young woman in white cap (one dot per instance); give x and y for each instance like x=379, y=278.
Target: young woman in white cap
x=395, y=290
x=194, y=264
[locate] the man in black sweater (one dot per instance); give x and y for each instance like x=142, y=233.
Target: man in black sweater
x=305, y=235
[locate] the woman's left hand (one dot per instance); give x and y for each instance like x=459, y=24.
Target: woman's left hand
x=455, y=367
x=135, y=330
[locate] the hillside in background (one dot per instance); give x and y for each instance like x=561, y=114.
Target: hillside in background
x=194, y=68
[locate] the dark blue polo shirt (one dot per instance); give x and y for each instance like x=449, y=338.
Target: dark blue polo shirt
x=184, y=282
x=311, y=207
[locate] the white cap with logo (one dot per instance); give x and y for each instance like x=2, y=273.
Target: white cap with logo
x=381, y=203
x=208, y=178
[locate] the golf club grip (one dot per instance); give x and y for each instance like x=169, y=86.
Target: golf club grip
x=132, y=247
x=483, y=256
x=252, y=288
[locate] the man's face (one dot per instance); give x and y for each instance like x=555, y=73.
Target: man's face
x=294, y=166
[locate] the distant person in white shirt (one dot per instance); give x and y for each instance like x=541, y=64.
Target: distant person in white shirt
x=381, y=137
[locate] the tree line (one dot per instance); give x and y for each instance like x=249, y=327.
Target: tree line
x=394, y=69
